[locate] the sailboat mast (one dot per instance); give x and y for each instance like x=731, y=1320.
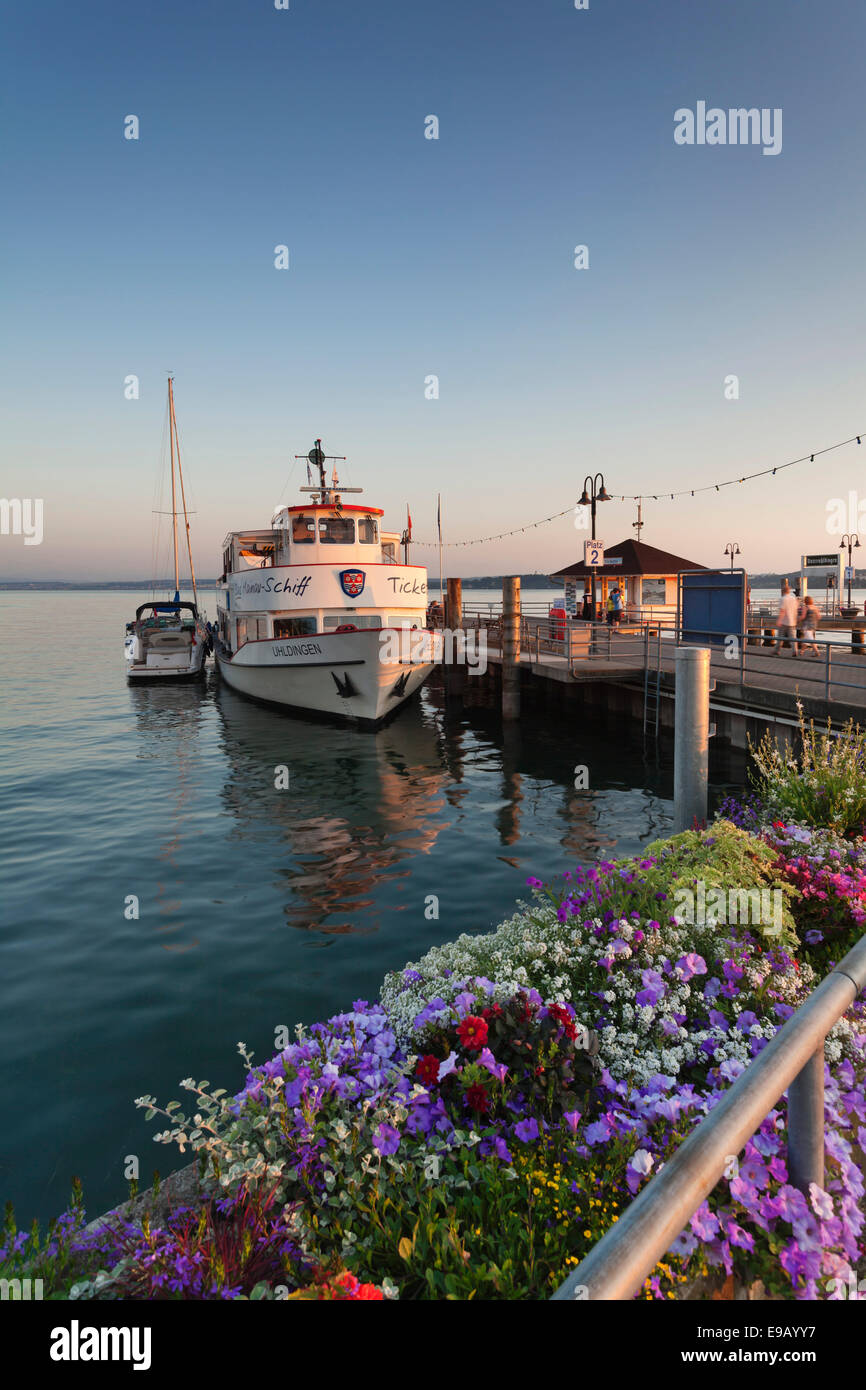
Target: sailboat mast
x=173, y=501
x=176, y=445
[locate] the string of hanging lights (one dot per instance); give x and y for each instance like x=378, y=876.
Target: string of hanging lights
x=662, y=496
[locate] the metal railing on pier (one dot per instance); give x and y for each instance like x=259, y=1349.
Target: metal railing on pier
x=793, y=1060
x=649, y=649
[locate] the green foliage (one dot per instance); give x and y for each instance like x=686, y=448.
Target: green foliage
x=723, y=857
x=483, y=1229
x=46, y=1257
x=825, y=786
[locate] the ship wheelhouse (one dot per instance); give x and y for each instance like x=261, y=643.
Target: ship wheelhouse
x=346, y=540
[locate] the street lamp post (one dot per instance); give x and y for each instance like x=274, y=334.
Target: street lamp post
x=593, y=491
x=852, y=542
x=732, y=549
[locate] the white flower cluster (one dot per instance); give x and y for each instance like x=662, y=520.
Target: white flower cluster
x=637, y=1039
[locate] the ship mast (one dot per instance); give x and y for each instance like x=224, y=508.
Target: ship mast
x=175, y=445
x=317, y=457
x=173, y=502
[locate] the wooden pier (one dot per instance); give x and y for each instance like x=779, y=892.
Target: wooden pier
x=630, y=672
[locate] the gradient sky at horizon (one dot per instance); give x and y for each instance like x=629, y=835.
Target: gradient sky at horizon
x=412, y=257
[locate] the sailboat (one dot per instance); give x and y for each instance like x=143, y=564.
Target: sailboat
x=169, y=639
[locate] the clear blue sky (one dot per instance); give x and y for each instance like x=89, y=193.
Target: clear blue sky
x=412, y=257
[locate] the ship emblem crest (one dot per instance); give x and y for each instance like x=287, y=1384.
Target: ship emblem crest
x=352, y=582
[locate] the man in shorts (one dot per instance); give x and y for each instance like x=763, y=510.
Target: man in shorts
x=786, y=623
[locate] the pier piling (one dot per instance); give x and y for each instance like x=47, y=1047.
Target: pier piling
x=511, y=647
x=454, y=673
x=691, y=736
x=454, y=604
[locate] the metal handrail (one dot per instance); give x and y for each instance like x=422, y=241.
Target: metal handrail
x=648, y=643
x=617, y=1265
x=833, y=656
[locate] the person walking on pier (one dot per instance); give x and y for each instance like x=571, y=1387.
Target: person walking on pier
x=801, y=609
x=810, y=620
x=616, y=597
x=786, y=623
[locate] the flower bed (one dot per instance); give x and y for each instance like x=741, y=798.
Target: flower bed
x=476, y=1130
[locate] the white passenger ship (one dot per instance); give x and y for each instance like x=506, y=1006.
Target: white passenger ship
x=317, y=614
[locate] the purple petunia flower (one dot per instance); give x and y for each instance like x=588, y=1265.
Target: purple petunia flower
x=598, y=1132
x=527, y=1130
x=731, y=1068
x=497, y=1069
x=737, y=1236
x=822, y=1202
x=691, y=965
x=448, y=1066
x=386, y=1140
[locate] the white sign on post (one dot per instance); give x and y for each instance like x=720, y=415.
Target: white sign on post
x=593, y=553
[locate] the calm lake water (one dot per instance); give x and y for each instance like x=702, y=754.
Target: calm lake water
x=258, y=907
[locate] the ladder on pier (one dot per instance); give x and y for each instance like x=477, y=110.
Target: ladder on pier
x=652, y=675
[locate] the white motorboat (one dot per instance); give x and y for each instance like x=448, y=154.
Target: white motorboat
x=169, y=639
x=315, y=613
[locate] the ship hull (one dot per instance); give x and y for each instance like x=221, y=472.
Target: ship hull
x=338, y=675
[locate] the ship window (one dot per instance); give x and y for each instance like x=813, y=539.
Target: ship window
x=336, y=530
x=333, y=620
x=294, y=627
x=303, y=530
x=389, y=552
x=409, y=620
x=368, y=531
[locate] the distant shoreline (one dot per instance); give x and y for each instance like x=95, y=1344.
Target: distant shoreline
x=527, y=581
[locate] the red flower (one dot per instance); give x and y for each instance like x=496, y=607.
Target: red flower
x=478, y=1098
x=563, y=1017
x=369, y=1291
x=428, y=1069
x=348, y=1282
x=472, y=1032
x=491, y=1012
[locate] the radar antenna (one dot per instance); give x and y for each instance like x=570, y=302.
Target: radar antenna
x=317, y=457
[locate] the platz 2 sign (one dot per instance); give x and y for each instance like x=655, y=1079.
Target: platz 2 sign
x=593, y=554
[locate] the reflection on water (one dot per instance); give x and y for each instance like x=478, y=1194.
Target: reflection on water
x=168, y=719
x=358, y=805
